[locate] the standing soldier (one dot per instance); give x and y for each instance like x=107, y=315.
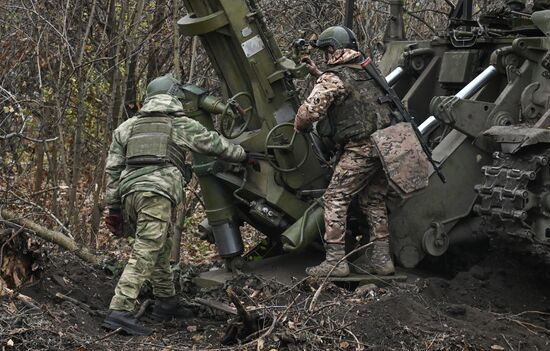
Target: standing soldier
x=145, y=169
x=345, y=102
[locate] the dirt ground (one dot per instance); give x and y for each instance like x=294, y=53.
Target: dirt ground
x=500, y=301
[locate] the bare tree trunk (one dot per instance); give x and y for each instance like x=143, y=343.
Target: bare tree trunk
x=39, y=164
x=130, y=100
x=114, y=98
x=52, y=176
x=176, y=38
x=80, y=116
x=97, y=208
x=154, y=63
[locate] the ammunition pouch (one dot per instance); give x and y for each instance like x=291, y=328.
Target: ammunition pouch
x=402, y=157
x=151, y=143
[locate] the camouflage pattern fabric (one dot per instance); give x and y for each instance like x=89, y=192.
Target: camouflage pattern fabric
x=357, y=173
x=360, y=113
x=149, y=215
x=402, y=157
x=334, y=254
x=328, y=89
x=344, y=100
x=149, y=194
x=164, y=180
x=341, y=56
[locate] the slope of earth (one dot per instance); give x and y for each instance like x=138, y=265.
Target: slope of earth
x=501, y=303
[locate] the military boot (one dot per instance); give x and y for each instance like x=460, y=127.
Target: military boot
x=379, y=259
x=127, y=322
x=334, y=253
x=167, y=308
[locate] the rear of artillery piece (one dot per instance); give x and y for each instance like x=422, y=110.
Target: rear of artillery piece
x=480, y=93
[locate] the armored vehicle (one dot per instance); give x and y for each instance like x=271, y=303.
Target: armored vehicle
x=479, y=93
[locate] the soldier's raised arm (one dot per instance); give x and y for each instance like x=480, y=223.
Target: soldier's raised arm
x=329, y=87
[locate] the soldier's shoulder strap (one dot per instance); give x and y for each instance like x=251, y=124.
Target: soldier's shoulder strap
x=340, y=68
x=154, y=114
x=350, y=71
x=353, y=66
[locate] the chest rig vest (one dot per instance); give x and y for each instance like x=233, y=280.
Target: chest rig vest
x=151, y=143
x=359, y=114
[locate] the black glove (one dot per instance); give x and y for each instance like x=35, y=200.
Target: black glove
x=303, y=129
x=250, y=160
x=115, y=222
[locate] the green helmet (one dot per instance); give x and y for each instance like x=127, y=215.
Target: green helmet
x=167, y=84
x=339, y=37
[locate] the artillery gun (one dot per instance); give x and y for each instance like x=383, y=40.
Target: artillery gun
x=485, y=86
x=480, y=94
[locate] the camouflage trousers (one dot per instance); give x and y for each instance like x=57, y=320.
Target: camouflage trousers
x=149, y=215
x=359, y=172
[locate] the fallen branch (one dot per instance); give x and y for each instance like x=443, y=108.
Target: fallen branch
x=49, y=213
x=360, y=345
x=529, y=326
x=276, y=319
x=217, y=306
x=108, y=335
x=52, y=236
x=80, y=304
x=248, y=320
x=27, y=300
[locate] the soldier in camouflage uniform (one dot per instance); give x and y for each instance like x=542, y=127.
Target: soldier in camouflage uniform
x=344, y=101
x=144, y=184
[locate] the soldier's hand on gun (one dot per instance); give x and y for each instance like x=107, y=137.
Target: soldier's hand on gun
x=301, y=128
x=312, y=67
x=250, y=160
x=114, y=222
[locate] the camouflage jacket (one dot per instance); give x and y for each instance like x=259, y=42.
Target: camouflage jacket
x=328, y=89
x=345, y=101
x=161, y=179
